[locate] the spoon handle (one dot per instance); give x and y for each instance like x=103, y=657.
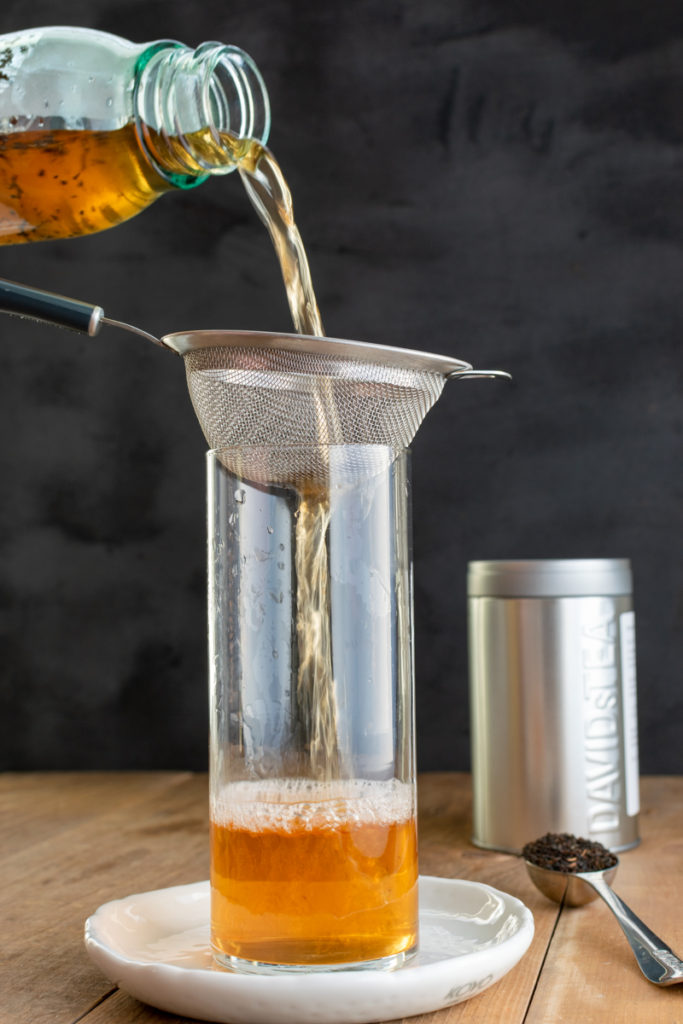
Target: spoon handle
x=656, y=960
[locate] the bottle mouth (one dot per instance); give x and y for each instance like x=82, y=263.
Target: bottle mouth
x=199, y=110
x=234, y=96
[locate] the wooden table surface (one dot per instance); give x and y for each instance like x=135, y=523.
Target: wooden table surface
x=71, y=841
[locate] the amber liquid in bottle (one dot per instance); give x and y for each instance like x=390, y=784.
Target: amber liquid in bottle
x=63, y=183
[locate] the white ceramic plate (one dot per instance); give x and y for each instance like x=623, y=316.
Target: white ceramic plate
x=155, y=946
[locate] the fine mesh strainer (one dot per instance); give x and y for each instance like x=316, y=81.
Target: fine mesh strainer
x=254, y=388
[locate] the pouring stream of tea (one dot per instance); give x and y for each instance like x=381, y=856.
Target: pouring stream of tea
x=268, y=191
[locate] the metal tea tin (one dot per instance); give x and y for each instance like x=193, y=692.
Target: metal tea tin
x=553, y=701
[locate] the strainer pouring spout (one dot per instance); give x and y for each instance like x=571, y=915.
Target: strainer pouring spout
x=251, y=387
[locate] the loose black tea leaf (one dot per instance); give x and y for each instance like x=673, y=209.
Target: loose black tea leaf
x=565, y=852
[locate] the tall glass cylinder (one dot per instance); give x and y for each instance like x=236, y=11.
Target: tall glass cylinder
x=312, y=765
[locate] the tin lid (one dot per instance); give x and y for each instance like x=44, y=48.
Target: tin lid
x=553, y=577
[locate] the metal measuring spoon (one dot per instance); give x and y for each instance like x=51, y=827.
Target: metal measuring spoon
x=656, y=960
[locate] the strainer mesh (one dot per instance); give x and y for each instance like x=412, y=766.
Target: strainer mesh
x=265, y=396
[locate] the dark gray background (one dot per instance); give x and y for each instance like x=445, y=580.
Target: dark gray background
x=498, y=181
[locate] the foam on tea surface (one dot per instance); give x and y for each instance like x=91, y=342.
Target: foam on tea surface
x=290, y=805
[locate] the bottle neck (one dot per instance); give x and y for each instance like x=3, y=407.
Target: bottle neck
x=197, y=111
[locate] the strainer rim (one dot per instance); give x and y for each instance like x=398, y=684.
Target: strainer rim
x=287, y=446
x=184, y=342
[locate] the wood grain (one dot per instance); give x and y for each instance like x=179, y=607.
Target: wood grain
x=101, y=837
x=71, y=841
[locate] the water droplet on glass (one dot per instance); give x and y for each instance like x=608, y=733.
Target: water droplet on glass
x=240, y=496
x=275, y=655
x=269, y=529
x=282, y=547
x=110, y=101
x=280, y=565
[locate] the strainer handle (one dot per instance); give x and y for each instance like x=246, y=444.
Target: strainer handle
x=19, y=300
x=36, y=304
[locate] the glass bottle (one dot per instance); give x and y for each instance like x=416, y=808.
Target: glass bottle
x=94, y=128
